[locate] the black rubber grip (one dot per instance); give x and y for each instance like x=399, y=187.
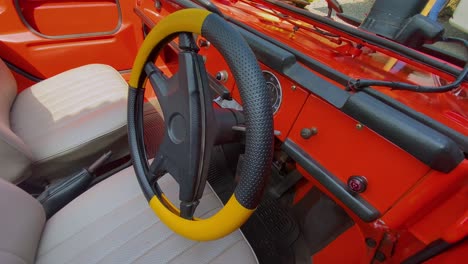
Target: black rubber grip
x=333, y=184
x=135, y=143
x=257, y=109
x=426, y=144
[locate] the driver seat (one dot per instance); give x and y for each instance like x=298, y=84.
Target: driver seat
x=109, y=223
x=69, y=119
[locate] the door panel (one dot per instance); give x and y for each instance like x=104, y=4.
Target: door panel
x=67, y=17
x=44, y=56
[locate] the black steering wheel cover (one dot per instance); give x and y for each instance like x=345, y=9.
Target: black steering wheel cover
x=258, y=155
x=137, y=151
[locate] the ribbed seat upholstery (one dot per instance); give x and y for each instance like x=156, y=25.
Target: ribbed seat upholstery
x=112, y=223
x=71, y=118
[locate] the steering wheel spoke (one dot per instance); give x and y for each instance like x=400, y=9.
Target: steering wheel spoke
x=187, y=109
x=157, y=167
x=159, y=82
x=164, y=163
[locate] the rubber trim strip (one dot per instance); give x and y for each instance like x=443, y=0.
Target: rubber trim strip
x=22, y=72
x=146, y=20
x=454, y=135
x=460, y=139
x=339, y=77
x=288, y=65
x=34, y=78
x=66, y=36
x=301, y=57
x=285, y=63
x=354, y=202
x=444, y=55
x=283, y=59
x=422, y=142
x=370, y=38
x=432, y=250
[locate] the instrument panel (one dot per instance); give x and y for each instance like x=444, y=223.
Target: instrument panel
x=296, y=110
x=341, y=147
x=274, y=88
x=287, y=100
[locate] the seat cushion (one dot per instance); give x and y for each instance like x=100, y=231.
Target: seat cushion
x=14, y=154
x=78, y=114
x=112, y=223
x=22, y=220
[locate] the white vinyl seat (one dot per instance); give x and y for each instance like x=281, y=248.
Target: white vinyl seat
x=63, y=123
x=110, y=223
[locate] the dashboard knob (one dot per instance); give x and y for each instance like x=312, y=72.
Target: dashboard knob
x=157, y=5
x=203, y=43
x=222, y=76
x=306, y=133
x=357, y=184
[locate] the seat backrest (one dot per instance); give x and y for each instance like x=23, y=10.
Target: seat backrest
x=15, y=157
x=22, y=221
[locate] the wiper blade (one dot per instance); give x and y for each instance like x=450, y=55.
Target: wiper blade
x=210, y=7
x=380, y=44
x=296, y=23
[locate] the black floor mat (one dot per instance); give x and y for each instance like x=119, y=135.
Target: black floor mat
x=320, y=219
x=280, y=232
x=220, y=176
x=272, y=230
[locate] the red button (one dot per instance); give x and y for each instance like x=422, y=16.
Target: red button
x=357, y=184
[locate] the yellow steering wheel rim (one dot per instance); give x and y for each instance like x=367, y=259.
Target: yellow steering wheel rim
x=233, y=214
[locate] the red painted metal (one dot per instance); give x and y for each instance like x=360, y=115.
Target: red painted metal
x=435, y=188
x=347, y=148
x=74, y=17
x=369, y=64
x=351, y=249
x=455, y=255
x=400, y=187
x=418, y=205
x=215, y=63
x=45, y=57
x=287, y=113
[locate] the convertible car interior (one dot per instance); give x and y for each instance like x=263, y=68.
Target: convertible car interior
x=232, y=131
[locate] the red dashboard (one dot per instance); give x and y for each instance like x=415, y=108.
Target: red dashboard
x=340, y=146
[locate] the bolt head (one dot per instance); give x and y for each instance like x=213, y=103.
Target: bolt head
x=306, y=133
x=370, y=242
x=380, y=256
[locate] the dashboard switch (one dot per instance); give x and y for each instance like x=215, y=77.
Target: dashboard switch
x=357, y=184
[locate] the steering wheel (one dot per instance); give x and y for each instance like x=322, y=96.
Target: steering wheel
x=186, y=103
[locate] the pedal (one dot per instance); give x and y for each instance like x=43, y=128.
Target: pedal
x=285, y=184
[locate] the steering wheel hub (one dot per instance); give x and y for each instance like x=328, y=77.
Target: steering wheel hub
x=177, y=129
